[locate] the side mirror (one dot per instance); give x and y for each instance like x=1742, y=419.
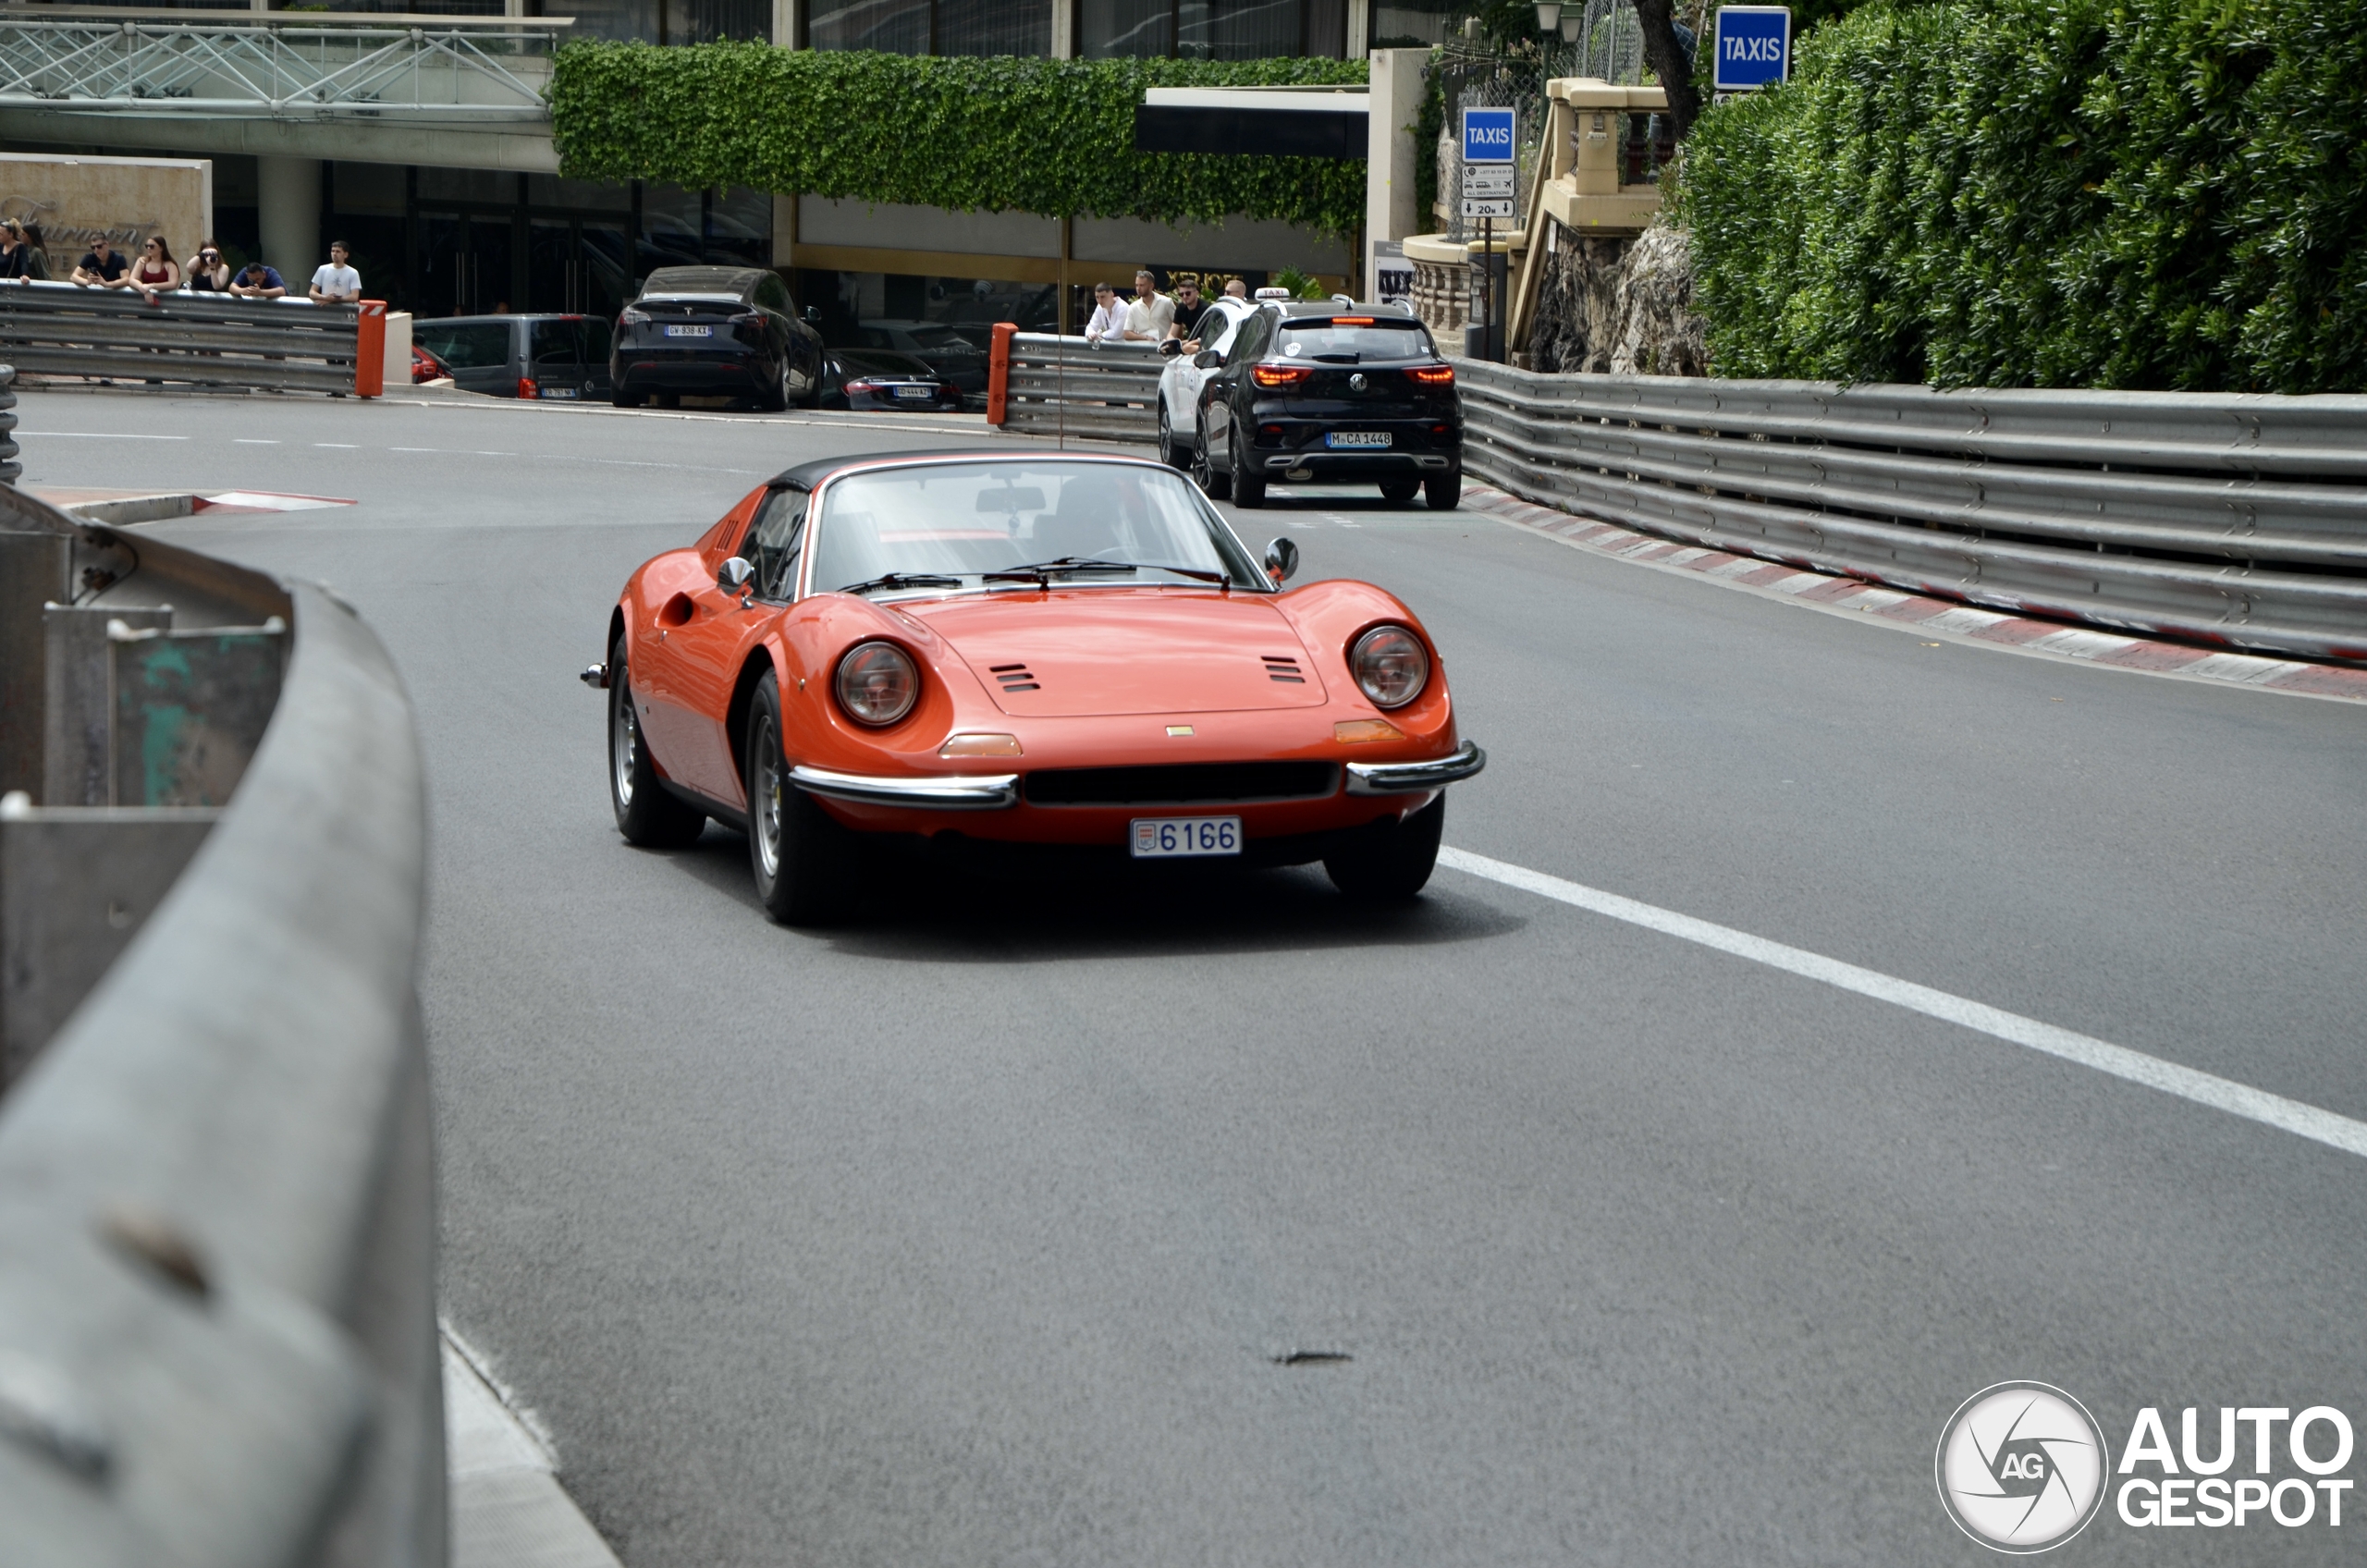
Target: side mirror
x=1169, y=347
x=734, y=575
x=1282, y=559
x=1207, y=359
x=812, y=315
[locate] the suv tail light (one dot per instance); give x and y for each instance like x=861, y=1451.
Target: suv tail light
x=1433, y=375
x=526, y=387
x=1279, y=375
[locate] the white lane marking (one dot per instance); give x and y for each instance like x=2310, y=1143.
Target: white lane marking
x=2327, y=1127
x=341, y=446
x=99, y=436
x=251, y=441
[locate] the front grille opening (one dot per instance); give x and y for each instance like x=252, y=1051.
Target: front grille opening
x=1178, y=784
x=1014, y=678
x=1284, y=669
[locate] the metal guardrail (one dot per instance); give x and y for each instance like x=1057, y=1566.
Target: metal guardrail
x=217, y=1328
x=407, y=69
x=206, y=339
x=2234, y=519
x=1043, y=384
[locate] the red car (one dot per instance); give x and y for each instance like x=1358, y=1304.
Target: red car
x=1035, y=648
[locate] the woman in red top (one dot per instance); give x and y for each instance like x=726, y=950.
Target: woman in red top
x=155, y=272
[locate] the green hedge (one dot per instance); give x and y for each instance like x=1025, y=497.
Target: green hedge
x=2131, y=193
x=1054, y=137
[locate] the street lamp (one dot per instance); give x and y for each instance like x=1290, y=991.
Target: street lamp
x=1572, y=27
x=1549, y=15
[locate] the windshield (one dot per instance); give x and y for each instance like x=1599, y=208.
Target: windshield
x=1379, y=338
x=966, y=518
x=474, y=345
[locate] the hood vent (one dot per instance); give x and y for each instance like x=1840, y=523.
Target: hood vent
x=1285, y=669
x=1014, y=678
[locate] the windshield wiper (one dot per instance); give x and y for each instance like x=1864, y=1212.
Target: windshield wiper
x=1044, y=571
x=1193, y=572
x=903, y=580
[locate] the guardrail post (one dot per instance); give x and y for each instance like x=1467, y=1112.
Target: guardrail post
x=34, y=568
x=998, y=372
x=77, y=697
x=370, y=357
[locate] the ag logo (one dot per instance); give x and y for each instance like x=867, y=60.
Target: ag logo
x=1357, y=382
x=2022, y=1467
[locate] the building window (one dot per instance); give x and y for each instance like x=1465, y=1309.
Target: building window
x=932, y=27
x=668, y=21
x=1212, y=30
x=1416, y=24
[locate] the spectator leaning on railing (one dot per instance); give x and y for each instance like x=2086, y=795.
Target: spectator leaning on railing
x=336, y=284
x=155, y=272
x=1152, y=312
x=259, y=282
x=208, y=273
x=100, y=267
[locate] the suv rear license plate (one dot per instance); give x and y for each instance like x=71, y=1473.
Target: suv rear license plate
x=916, y=394
x=690, y=332
x=1158, y=837
x=1340, y=439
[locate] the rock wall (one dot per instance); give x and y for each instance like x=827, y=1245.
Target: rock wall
x=1619, y=306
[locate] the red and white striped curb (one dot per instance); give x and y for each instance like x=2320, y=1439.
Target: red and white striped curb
x=1926, y=613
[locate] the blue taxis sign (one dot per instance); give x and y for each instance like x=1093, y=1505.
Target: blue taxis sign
x=1754, y=47
x=1487, y=136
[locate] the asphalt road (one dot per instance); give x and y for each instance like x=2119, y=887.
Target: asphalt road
x=973, y=1234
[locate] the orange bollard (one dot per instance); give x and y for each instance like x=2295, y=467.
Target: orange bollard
x=999, y=371
x=370, y=359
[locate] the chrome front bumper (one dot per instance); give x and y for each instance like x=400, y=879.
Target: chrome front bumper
x=1410, y=778
x=952, y=791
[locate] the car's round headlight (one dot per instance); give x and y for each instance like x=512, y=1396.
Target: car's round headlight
x=1392, y=666
x=878, y=683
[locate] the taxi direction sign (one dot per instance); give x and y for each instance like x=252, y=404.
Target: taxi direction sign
x=1488, y=136
x=1487, y=181
x=1754, y=47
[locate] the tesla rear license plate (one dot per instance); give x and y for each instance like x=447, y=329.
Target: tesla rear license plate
x=915, y=394
x=1159, y=838
x=690, y=332
x=1340, y=439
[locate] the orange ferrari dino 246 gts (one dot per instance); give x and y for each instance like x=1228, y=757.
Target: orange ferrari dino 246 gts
x=1026, y=647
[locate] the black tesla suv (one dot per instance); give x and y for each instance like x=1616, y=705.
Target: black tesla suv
x=711, y=331
x=1330, y=394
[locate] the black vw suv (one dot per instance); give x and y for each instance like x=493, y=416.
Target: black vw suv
x=1330, y=394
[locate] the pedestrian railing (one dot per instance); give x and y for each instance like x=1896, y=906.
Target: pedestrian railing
x=217, y=1329
x=404, y=69
x=1042, y=385
x=202, y=340
x=2235, y=520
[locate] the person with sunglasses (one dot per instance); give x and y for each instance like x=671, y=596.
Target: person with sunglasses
x=155, y=273
x=208, y=273
x=100, y=267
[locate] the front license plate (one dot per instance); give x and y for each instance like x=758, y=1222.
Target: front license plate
x=690, y=332
x=1158, y=837
x=915, y=394
x=1340, y=439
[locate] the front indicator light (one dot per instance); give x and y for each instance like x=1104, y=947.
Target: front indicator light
x=1357, y=731
x=878, y=684
x=981, y=746
x=1390, y=664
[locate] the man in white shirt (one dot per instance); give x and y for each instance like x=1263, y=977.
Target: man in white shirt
x=336, y=284
x=1109, y=318
x=1152, y=312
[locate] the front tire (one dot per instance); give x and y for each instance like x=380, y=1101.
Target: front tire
x=803, y=861
x=647, y=814
x=1389, y=862
x=1442, y=491
x=1168, y=452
